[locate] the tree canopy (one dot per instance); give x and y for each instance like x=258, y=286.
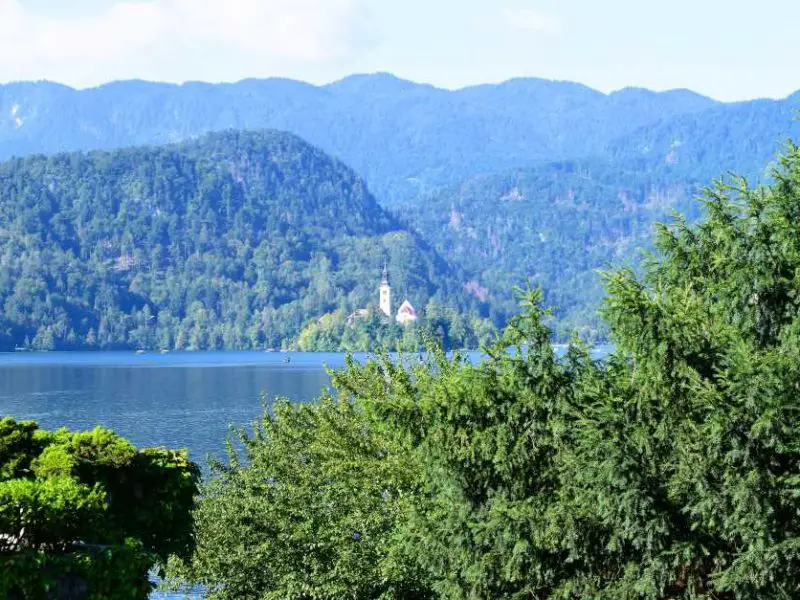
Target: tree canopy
x=88, y=515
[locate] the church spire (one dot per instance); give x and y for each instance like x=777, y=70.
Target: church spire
x=385, y=293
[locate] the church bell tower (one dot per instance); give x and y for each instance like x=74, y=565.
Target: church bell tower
x=385, y=293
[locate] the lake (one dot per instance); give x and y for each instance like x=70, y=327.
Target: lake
x=178, y=400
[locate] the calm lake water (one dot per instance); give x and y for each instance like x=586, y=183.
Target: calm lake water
x=178, y=400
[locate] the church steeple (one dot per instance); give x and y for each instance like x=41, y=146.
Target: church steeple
x=385, y=292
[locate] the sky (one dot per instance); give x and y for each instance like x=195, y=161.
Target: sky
x=729, y=50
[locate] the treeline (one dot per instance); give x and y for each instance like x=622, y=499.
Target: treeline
x=340, y=332
x=235, y=240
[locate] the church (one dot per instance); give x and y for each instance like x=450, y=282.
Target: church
x=406, y=314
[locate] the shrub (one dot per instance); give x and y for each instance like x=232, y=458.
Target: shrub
x=88, y=513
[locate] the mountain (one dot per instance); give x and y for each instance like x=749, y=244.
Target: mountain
x=233, y=240
x=742, y=137
x=552, y=226
x=525, y=180
x=405, y=139
x=555, y=223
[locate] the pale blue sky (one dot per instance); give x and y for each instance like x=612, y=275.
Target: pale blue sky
x=732, y=50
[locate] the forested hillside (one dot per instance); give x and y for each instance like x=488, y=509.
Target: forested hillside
x=405, y=139
x=742, y=137
x=235, y=240
x=553, y=226
x=556, y=223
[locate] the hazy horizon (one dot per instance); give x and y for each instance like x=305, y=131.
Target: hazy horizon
x=609, y=46
x=189, y=82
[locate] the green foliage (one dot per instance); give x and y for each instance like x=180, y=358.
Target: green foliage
x=47, y=513
x=83, y=452
x=337, y=332
x=20, y=443
x=488, y=439
x=88, y=509
x=235, y=240
x=305, y=510
x=112, y=573
x=671, y=469
x=710, y=332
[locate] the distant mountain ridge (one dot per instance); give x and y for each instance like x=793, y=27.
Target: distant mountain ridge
x=404, y=138
x=743, y=137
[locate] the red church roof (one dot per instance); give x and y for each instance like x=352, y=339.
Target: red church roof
x=407, y=309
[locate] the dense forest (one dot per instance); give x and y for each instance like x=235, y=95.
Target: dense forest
x=553, y=226
x=235, y=240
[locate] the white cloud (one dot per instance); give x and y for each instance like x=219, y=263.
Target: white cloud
x=165, y=38
x=531, y=21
